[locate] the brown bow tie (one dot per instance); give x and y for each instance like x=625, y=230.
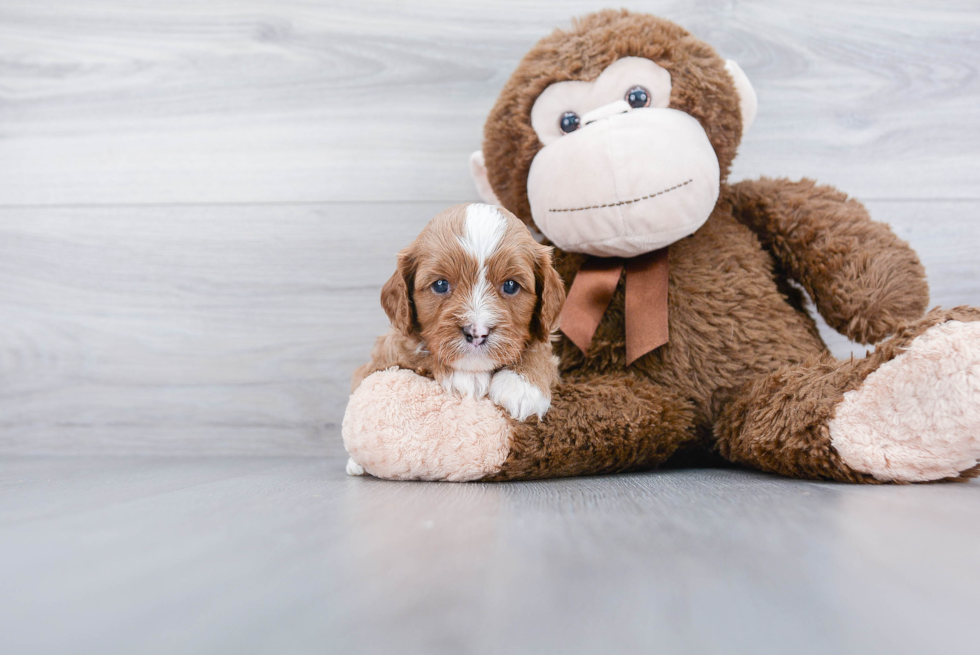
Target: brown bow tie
x=646, y=301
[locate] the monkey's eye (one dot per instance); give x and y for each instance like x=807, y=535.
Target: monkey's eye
x=440, y=287
x=638, y=97
x=569, y=122
x=510, y=288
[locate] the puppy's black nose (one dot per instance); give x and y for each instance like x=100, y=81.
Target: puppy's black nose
x=476, y=334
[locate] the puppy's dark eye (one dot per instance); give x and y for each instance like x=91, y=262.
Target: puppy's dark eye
x=638, y=97
x=569, y=122
x=509, y=288
x=440, y=287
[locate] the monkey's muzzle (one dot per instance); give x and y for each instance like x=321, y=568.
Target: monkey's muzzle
x=627, y=184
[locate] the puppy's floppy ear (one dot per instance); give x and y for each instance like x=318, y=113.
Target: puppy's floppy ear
x=550, y=290
x=396, y=294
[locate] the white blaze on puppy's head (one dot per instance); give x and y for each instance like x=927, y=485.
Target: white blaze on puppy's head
x=475, y=288
x=483, y=230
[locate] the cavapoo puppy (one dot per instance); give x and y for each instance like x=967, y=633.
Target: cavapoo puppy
x=473, y=304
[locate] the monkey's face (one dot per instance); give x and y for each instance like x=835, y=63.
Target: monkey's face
x=620, y=173
x=613, y=137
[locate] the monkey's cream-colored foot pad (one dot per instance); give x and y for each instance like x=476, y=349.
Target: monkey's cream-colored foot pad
x=917, y=417
x=402, y=426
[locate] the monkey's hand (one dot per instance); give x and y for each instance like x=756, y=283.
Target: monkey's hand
x=402, y=426
x=864, y=280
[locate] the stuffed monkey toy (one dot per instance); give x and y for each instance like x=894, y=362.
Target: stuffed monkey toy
x=685, y=330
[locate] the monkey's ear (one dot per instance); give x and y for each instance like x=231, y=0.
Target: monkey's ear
x=478, y=169
x=396, y=294
x=748, y=102
x=551, y=295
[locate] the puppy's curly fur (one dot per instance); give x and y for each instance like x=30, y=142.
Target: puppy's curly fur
x=477, y=337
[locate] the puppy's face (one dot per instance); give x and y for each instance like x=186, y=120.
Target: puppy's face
x=476, y=288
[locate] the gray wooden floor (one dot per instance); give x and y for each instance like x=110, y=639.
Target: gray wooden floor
x=287, y=555
x=199, y=203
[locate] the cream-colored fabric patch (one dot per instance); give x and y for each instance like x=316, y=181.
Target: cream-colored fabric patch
x=402, y=426
x=625, y=185
x=917, y=417
x=584, y=97
x=478, y=170
x=748, y=101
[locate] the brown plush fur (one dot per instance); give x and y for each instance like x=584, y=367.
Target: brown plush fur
x=745, y=373
x=604, y=424
x=863, y=279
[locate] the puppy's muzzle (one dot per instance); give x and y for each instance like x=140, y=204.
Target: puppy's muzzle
x=475, y=334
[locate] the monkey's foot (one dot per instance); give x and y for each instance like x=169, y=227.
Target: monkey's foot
x=402, y=426
x=917, y=417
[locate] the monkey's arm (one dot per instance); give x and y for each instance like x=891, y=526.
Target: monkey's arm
x=864, y=280
x=402, y=426
x=596, y=425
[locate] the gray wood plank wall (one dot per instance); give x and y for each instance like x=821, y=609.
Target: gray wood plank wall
x=200, y=201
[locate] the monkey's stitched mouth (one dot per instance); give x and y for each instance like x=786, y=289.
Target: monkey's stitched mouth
x=625, y=202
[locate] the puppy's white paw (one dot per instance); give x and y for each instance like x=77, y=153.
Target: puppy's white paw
x=353, y=468
x=467, y=383
x=520, y=398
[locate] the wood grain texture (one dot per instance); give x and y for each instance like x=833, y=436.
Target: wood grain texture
x=108, y=102
x=170, y=281
x=234, y=329
x=214, y=329
x=258, y=555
